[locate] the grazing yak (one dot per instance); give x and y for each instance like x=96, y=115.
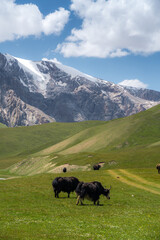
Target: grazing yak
x=96, y=167
x=64, y=184
x=91, y=191
x=64, y=169
x=158, y=167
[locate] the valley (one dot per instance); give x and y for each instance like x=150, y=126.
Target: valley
x=31, y=157
x=79, y=120
x=122, y=143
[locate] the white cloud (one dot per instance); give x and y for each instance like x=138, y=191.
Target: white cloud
x=113, y=28
x=18, y=21
x=133, y=83
x=55, y=22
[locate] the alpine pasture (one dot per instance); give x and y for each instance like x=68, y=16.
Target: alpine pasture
x=31, y=157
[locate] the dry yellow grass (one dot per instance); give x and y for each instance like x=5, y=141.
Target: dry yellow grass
x=89, y=139
x=133, y=184
x=62, y=145
x=69, y=167
x=98, y=141
x=139, y=179
x=154, y=144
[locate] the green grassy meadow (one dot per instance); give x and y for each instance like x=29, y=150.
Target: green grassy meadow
x=20, y=142
x=31, y=157
x=29, y=211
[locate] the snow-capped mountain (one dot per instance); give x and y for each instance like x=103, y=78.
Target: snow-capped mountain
x=46, y=91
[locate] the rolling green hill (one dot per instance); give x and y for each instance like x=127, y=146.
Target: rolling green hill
x=2, y=125
x=17, y=143
x=131, y=142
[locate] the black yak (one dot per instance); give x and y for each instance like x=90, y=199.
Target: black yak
x=158, y=167
x=91, y=191
x=64, y=184
x=96, y=167
x=64, y=169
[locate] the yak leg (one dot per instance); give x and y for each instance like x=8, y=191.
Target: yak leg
x=55, y=193
x=79, y=199
x=159, y=170
x=81, y=202
x=96, y=201
x=68, y=194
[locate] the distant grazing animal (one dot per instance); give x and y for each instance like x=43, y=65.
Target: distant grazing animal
x=64, y=169
x=64, y=184
x=96, y=167
x=158, y=167
x=91, y=191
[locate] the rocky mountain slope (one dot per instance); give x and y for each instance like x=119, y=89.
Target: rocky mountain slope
x=46, y=91
x=147, y=94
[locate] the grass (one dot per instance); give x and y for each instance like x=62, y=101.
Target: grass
x=122, y=143
x=17, y=143
x=129, y=148
x=28, y=209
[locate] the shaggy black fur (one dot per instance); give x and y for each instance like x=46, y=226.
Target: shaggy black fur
x=64, y=169
x=96, y=167
x=158, y=167
x=91, y=191
x=64, y=184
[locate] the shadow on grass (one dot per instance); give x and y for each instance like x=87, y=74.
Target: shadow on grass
x=91, y=204
x=66, y=198
x=94, y=205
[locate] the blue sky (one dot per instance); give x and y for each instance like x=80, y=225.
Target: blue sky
x=115, y=40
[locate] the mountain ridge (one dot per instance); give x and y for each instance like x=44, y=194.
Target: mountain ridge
x=48, y=91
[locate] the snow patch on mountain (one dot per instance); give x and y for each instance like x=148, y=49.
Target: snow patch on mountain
x=40, y=73
x=136, y=83
x=139, y=100
x=60, y=83
x=69, y=70
x=29, y=65
x=68, y=94
x=40, y=79
x=10, y=59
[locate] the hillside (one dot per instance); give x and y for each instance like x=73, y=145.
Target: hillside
x=127, y=142
x=17, y=143
x=2, y=125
